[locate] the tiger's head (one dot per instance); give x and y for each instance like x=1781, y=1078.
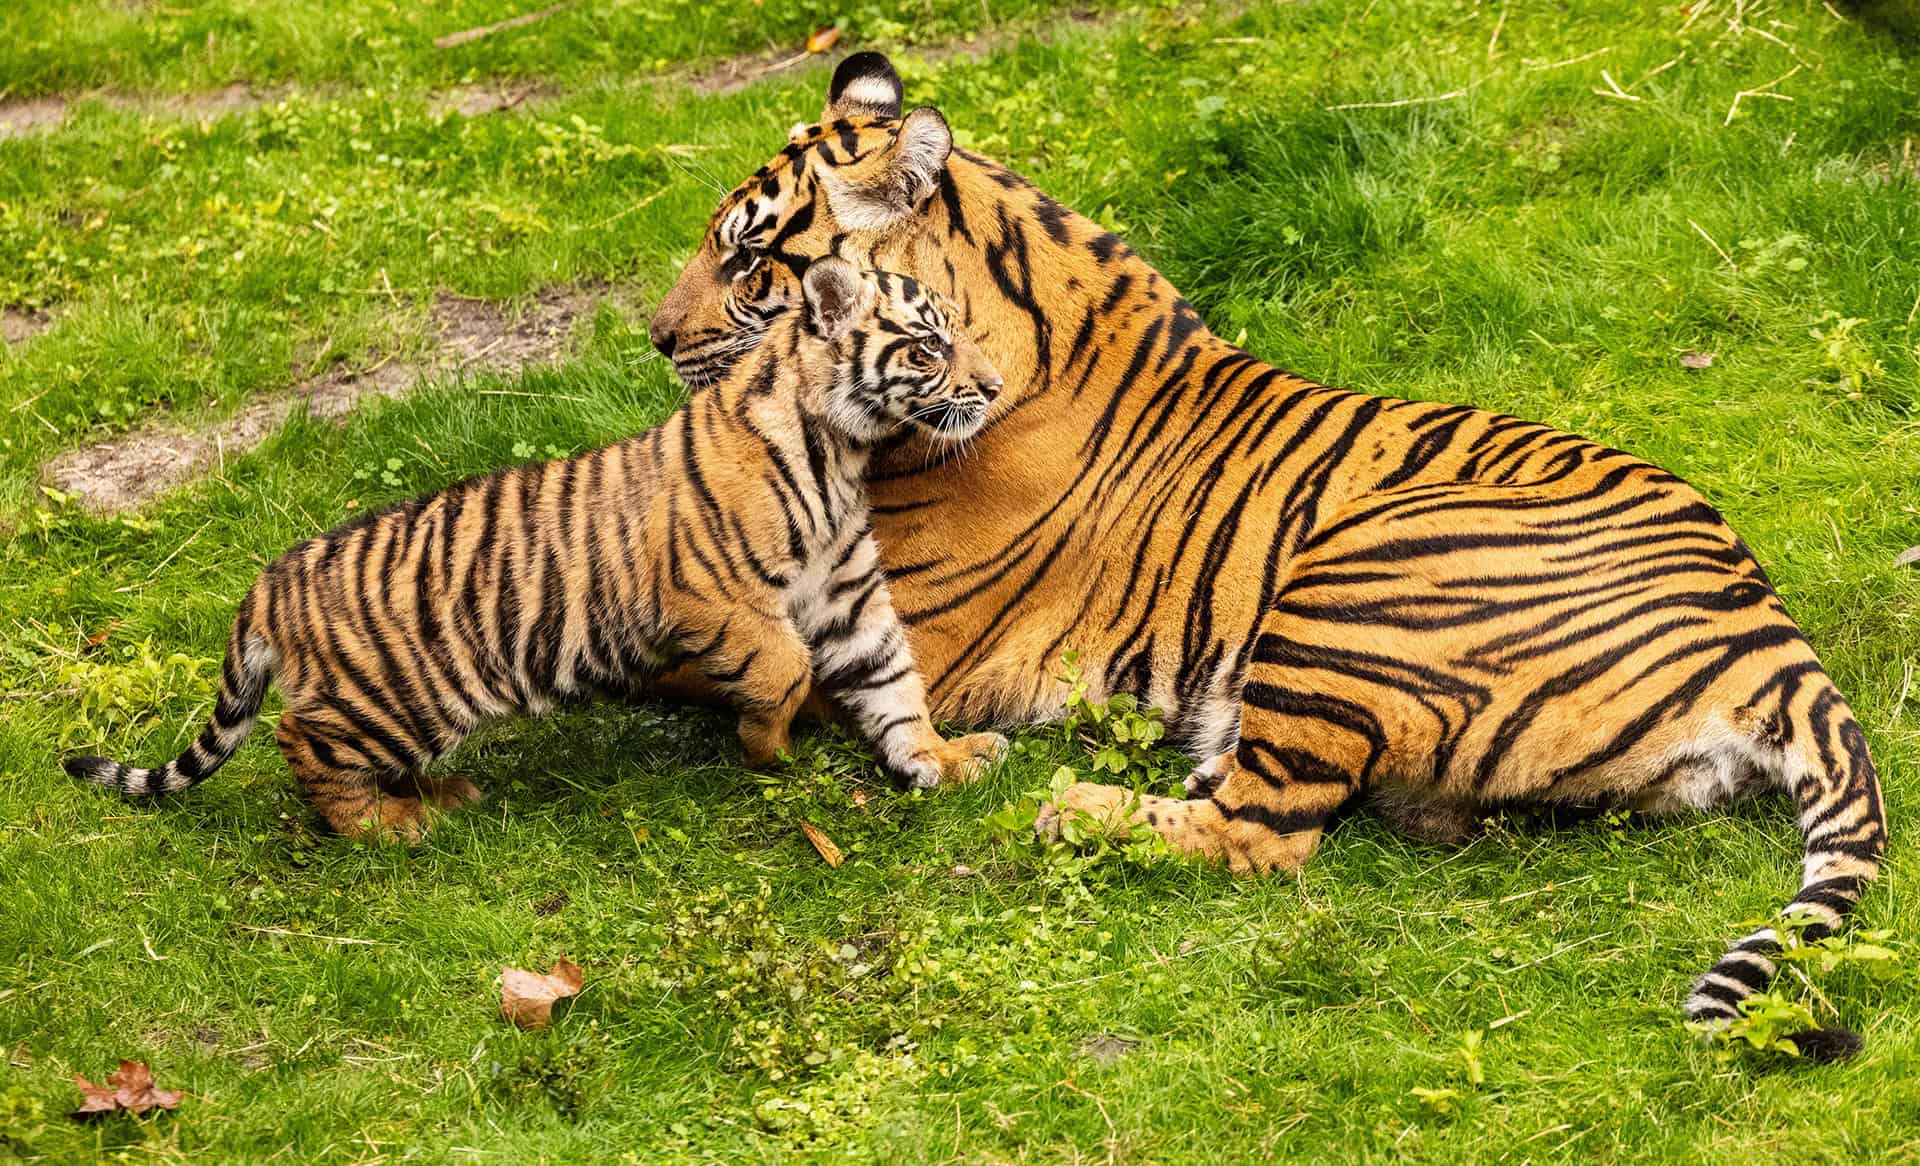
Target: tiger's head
x=840, y=187
x=888, y=356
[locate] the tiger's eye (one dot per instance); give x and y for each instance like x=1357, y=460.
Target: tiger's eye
x=744, y=261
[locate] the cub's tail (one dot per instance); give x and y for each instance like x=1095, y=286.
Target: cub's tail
x=243, y=686
x=1823, y=760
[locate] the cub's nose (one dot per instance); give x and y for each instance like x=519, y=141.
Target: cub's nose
x=990, y=389
x=661, y=333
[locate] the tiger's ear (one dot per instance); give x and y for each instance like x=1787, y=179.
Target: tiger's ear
x=836, y=296
x=865, y=85
x=874, y=193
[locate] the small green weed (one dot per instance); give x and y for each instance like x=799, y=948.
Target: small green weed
x=566, y=1068
x=1848, y=363
x=573, y=150
x=788, y=1004
x=1083, y=844
x=23, y=1122
x=1124, y=739
x=129, y=688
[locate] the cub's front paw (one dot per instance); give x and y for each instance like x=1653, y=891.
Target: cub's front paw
x=764, y=739
x=966, y=758
x=940, y=762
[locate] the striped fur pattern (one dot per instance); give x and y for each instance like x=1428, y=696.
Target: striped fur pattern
x=732, y=540
x=1331, y=594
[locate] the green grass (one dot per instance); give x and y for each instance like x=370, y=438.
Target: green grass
x=53, y=46
x=1529, y=246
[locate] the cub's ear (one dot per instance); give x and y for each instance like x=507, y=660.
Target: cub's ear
x=865, y=85
x=874, y=193
x=836, y=296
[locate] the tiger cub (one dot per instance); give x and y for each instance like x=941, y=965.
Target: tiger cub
x=732, y=539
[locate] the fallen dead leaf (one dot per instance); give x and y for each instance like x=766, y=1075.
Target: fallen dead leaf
x=130, y=1090
x=1696, y=360
x=527, y=998
x=823, y=39
x=1907, y=558
x=860, y=797
x=94, y=1098
x=822, y=843
x=961, y=872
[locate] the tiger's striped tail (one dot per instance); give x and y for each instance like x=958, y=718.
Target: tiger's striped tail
x=1837, y=792
x=243, y=686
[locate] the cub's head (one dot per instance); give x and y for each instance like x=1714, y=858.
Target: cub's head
x=838, y=188
x=891, y=358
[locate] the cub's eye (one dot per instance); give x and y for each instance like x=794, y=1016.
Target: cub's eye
x=927, y=350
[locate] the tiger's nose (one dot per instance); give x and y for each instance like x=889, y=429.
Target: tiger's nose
x=990, y=389
x=661, y=333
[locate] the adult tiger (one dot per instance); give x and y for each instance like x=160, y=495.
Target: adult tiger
x=1325, y=590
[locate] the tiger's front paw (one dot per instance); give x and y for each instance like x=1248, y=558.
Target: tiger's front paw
x=1107, y=805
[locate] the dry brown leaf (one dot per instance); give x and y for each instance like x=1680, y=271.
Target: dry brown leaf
x=822, y=843
x=129, y=1090
x=527, y=998
x=1908, y=558
x=94, y=1098
x=823, y=39
x=100, y=637
x=860, y=798
x=1696, y=360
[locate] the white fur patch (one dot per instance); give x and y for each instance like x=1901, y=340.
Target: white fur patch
x=876, y=92
x=257, y=655
x=857, y=209
x=1715, y=764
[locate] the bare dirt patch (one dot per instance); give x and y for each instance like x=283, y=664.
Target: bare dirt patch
x=480, y=100
x=19, y=118
x=32, y=115
x=467, y=335
x=1106, y=1048
x=214, y=103
x=18, y=327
